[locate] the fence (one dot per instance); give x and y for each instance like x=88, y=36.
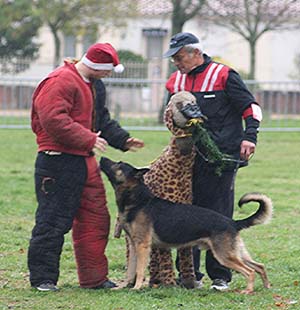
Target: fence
x=138, y=102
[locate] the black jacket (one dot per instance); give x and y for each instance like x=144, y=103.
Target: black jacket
x=110, y=129
x=222, y=97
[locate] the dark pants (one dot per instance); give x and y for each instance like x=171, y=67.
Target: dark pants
x=69, y=191
x=216, y=193
x=59, y=181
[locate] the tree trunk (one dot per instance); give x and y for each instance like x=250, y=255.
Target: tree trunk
x=178, y=17
x=57, y=44
x=252, y=46
x=178, y=21
x=177, y=25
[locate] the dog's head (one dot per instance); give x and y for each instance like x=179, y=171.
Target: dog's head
x=120, y=173
x=127, y=182
x=184, y=107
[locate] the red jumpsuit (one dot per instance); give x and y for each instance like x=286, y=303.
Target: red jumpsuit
x=69, y=187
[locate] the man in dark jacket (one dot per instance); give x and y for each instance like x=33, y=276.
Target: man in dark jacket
x=224, y=99
x=68, y=184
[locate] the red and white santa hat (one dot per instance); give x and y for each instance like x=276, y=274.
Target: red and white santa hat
x=102, y=56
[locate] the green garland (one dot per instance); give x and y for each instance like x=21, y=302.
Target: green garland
x=208, y=149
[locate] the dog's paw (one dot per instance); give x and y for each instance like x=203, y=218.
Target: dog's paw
x=247, y=292
x=137, y=286
x=130, y=285
x=268, y=285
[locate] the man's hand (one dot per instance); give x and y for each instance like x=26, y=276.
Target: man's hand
x=247, y=149
x=132, y=144
x=100, y=144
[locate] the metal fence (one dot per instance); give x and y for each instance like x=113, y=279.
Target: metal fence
x=137, y=102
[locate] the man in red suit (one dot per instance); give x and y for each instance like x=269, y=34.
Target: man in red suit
x=68, y=184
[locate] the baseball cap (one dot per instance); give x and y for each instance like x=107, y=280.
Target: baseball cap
x=178, y=41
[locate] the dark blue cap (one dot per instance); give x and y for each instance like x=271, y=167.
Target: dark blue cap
x=178, y=41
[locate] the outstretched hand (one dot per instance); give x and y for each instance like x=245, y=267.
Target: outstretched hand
x=132, y=144
x=100, y=144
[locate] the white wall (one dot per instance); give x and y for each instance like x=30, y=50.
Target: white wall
x=47, y=48
x=131, y=36
x=277, y=54
x=276, y=51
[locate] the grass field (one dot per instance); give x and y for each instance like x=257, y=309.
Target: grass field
x=18, y=118
x=274, y=170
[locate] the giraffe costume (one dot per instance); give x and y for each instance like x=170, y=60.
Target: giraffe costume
x=170, y=177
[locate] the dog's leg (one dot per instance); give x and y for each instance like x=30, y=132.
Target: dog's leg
x=235, y=263
x=131, y=263
x=142, y=254
x=258, y=267
x=229, y=255
x=118, y=228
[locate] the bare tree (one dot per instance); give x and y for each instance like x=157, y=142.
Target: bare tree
x=253, y=18
x=184, y=10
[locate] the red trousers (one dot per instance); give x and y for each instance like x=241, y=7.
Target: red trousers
x=91, y=229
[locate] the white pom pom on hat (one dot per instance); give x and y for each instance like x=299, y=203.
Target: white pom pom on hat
x=119, y=68
x=102, y=56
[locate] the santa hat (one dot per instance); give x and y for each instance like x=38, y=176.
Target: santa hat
x=102, y=56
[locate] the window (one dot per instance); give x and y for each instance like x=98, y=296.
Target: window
x=154, y=42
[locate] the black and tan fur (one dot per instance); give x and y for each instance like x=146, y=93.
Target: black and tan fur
x=151, y=221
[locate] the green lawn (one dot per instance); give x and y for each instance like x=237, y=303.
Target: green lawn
x=269, y=121
x=274, y=170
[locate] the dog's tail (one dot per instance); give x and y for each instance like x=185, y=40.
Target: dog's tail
x=262, y=216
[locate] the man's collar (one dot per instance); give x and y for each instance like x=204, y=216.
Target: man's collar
x=201, y=67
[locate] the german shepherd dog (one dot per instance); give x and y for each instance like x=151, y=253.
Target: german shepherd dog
x=148, y=220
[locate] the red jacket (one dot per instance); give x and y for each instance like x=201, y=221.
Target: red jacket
x=61, y=115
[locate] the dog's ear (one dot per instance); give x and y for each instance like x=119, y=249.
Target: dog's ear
x=140, y=172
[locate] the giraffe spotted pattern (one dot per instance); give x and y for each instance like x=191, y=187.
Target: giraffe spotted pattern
x=170, y=177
